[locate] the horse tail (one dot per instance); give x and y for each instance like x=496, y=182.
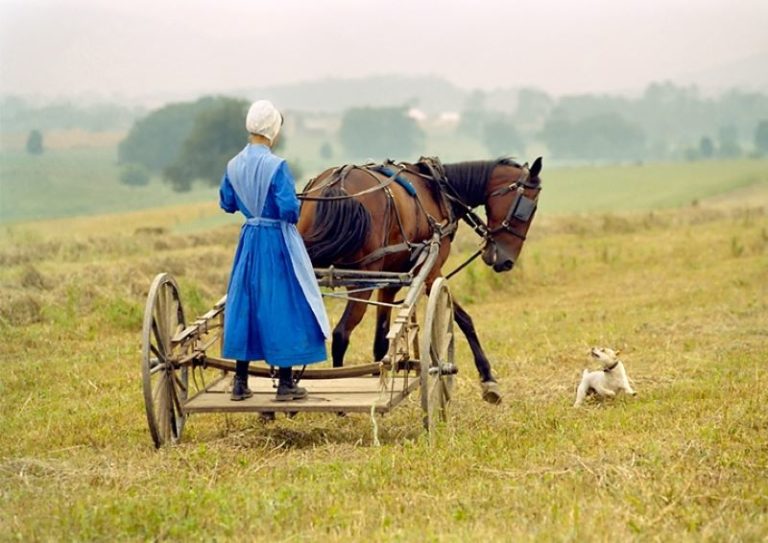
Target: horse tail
x=339, y=230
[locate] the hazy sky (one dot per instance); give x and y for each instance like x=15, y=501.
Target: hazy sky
x=136, y=48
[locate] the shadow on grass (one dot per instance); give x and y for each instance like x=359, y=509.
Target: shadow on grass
x=304, y=430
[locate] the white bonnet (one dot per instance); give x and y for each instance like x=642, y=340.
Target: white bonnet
x=264, y=119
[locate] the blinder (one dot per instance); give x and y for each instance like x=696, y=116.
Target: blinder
x=524, y=208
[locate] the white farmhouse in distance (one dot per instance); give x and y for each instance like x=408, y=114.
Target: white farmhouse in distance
x=448, y=118
x=417, y=115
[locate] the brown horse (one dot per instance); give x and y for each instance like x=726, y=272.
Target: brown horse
x=376, y=218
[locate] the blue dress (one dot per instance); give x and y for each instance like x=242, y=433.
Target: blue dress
x=274, y=310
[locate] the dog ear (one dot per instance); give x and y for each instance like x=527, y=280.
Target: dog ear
x=618, y=352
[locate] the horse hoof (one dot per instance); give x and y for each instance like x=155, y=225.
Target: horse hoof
x=491, y=392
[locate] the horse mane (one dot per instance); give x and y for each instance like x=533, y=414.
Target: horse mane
x=339, y=229
x=469, y=179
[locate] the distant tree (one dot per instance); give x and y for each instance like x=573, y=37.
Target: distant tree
x=728, y=142
x=533, y=106
x=600, y=137
x=761, y=137
x=502, y=139
x=134, y=175
x=472, y=121
x=558, y=135
x=35, y=143
x=474, y=115
x=380, y=132
x=691, y=154
x=706, y=147
x=217, y=134
x=156, y=140
x=326, y=151
x=17, y=115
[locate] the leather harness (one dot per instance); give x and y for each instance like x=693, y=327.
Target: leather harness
x=521, y=209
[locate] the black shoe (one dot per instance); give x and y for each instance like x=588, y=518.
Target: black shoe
x=240, y=390
x=287, y=393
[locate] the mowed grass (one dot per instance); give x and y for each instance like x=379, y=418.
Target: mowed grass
x=683, y=293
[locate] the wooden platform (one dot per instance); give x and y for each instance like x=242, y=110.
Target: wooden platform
x=328, y=395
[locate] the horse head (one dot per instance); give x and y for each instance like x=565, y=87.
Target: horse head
x=511, y=197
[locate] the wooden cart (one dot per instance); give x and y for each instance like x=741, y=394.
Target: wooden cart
x=419, y=357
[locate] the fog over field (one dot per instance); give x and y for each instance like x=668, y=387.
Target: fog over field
x=153, y=51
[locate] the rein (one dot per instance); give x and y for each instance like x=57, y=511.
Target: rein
x=338, y=176
x=392, y=176
x=521, y=209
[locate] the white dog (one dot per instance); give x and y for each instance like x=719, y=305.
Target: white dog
x=606, y=382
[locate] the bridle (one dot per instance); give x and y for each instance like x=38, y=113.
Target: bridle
x=522, y=210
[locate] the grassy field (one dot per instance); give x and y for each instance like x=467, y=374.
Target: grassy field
x=71, y=180
x=684, y=294
x=74, y=182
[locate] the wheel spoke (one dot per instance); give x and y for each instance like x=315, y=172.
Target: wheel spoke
x=434, y=357
x=156, y=352
x=448, y=388
x=444, y=398
x=171, y=310
x=446, y=333
x=176, y=411
x=161, y=323
x=179, y=382
x=161, y=417
x=434, y=392
x=159, y=387
x=167, y=412
x=173, y=425
x=155, y=366
x=174, y=395
x=158, y=336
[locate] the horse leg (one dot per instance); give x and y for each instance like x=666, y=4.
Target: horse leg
x=381, y=343
x=351, y=317
x=490, y=387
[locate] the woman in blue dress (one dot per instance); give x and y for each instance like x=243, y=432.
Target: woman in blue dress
x=274, y=308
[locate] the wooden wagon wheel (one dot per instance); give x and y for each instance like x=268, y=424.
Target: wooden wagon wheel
x=437, y=355
x=165, y=384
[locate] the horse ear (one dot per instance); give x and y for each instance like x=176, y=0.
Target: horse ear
x=536, y=168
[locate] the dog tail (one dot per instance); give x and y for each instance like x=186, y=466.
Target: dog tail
x=585, y=372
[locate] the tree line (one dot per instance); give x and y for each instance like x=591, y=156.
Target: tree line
x=665, y=122
x=190, y=141
x=20, y=115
